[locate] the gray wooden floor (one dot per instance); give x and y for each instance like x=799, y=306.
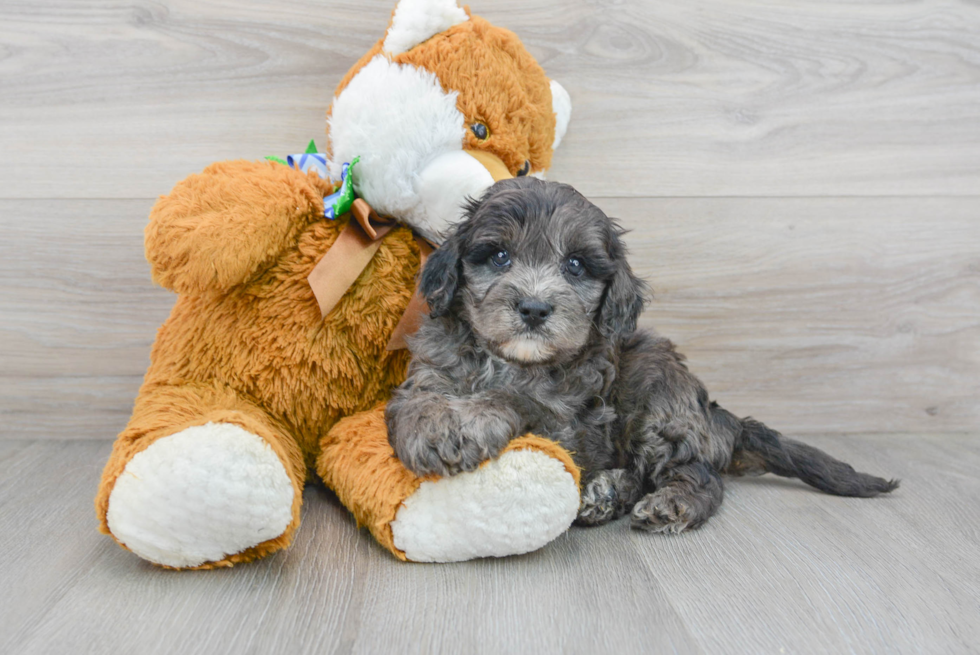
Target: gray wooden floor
x=780, y=569
x=802, y=184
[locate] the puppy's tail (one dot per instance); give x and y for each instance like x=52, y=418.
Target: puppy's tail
x=757, y=449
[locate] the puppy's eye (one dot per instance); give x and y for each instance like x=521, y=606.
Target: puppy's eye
x=500, y=258
x=525, y=169
x=480, y=131
x=574, y=266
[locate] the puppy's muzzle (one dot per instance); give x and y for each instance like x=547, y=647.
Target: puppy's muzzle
x=534, y=312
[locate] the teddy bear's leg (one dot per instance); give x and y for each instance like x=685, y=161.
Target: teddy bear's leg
x=201, y=478
x=513, y=504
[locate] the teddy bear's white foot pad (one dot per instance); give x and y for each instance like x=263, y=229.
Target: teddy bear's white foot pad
x=200, y=495
x=512, y=505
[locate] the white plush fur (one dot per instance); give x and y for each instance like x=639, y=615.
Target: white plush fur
x=399, y=120
x=200, y=495
x=418, y=20
x=512, y=505
x=445, y=183
x=561, y=103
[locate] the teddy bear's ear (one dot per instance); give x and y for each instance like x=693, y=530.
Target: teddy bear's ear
x=561, y=104
x=415, y=21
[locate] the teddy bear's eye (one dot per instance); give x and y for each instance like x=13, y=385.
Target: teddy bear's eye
x=525, y=169
x=480, y=131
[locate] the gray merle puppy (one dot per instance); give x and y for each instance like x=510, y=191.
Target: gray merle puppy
x=533, y=329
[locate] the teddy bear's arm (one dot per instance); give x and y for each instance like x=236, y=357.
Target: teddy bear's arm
x=219, y=228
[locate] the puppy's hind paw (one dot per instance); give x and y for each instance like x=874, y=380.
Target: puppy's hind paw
x=596, y=507
x=606, y=497
x=662, y=511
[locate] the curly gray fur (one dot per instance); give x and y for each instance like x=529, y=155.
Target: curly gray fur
x=533, y=329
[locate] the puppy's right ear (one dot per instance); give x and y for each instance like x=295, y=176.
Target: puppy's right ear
x=623, y=302
x=625, y=293
x=440, y=277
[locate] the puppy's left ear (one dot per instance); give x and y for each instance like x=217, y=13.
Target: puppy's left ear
x=440, y=277
x=625, y=295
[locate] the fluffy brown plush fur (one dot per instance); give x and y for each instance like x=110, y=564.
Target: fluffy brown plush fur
x=369, y=480
x=245, y=343
x=507, y=90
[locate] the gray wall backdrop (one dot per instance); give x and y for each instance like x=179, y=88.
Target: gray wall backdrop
x=802, y=181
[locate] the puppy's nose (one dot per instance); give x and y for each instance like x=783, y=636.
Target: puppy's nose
x=534, y=312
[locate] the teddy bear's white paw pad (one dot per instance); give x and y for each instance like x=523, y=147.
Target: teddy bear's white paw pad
x=514, y=504
x=200, y=495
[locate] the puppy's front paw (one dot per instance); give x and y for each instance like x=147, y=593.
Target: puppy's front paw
x=446, y=452
x=483, y=432
x=422, y=431
x=433, y=435
x=459, y=450
x=432, y=452
x=444, y=446
x=662, y=511
x=464, y=447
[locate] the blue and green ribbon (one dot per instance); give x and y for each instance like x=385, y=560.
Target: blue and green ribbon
x=340, y=201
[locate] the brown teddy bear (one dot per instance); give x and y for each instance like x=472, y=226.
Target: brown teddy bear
x=284, y=342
